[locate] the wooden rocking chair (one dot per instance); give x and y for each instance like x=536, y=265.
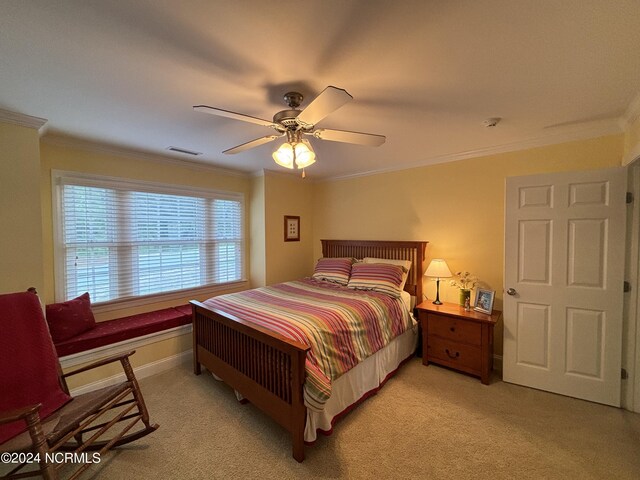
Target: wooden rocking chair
x=39, y=420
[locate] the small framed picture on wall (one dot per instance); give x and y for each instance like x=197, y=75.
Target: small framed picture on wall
x=291, y=228
x=484, y=301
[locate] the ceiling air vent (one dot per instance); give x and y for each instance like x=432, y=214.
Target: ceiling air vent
x=182, y=150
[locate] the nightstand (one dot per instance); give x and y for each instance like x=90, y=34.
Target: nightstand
x=457, y=339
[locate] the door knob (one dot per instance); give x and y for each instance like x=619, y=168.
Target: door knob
x=511, y=291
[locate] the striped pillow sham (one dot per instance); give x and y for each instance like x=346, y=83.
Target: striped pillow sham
x=405, y=264
x=333, y=270
x=380, y=277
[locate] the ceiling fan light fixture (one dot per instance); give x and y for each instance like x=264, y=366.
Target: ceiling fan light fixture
x=304, y=154
x=284, y=155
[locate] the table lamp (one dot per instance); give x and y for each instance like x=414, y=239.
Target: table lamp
x=438, y=269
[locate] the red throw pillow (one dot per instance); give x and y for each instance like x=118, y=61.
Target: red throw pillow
x=70, y=318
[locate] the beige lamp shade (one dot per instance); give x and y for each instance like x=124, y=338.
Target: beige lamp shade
x=438, y=268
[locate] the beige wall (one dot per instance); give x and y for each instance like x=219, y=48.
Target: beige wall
x=257, y=235
x=21, y=212
x=287, y=195
x=273, y=260
x=458, y=207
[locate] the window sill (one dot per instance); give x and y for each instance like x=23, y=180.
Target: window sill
x=190, y=293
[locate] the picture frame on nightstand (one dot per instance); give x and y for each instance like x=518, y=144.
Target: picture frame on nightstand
x=484, y=301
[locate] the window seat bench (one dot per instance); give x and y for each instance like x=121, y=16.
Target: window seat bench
x=125, y=328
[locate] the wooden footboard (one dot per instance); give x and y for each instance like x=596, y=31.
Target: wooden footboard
x=265, y=367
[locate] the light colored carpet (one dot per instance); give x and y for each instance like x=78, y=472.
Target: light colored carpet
x=427, y=422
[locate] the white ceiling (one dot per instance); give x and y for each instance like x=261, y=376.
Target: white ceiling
x=423, y=73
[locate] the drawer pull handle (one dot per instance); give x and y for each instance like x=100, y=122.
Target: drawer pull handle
x=452, y=356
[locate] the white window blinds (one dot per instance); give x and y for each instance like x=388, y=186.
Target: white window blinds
x=122, y=240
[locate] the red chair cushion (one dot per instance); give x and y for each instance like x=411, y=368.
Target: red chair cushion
x=120, y=329
x=28, y=362
x=70, y=318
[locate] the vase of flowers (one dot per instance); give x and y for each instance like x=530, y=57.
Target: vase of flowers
x=465, y=281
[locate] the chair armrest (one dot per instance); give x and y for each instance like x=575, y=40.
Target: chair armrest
x=120, y=357
x=19, y=413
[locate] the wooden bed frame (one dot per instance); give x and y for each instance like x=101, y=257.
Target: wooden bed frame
x=268, y=369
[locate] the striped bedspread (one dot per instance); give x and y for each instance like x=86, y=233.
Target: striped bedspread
x=341, y=325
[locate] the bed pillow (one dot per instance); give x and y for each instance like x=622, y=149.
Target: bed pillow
x=333, y=270
x=380, y=277
x=70, y=318
x=405, y=264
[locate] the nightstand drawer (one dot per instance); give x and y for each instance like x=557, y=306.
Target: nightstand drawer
x=454, y=329
x=454, y=354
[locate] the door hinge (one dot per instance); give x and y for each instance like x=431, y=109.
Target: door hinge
x=627, y=287
x=629, y=197
x=623, y=374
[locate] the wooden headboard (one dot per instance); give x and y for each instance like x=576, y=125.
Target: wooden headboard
x=397, y=250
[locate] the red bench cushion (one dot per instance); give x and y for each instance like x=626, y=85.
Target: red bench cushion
x=185, y=309
x=113, y=331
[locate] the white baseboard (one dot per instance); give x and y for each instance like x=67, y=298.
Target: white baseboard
x=142, y=371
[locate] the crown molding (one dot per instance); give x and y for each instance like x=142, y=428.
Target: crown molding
x=598, y=129
x=21, y=119
x=631, y=156
x=102, y=148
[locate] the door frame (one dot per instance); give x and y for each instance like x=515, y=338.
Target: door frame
x=630, y=395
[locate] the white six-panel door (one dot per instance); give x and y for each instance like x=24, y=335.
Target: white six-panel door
x=564, y=272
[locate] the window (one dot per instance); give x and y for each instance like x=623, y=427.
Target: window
x=119, y=239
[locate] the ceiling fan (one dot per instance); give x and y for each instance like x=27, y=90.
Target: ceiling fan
x=294, y=123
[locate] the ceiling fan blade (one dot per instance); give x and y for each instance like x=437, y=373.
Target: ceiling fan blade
x=253, y=143
x=236, y=116
x=329, y=100
x=368, y=139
